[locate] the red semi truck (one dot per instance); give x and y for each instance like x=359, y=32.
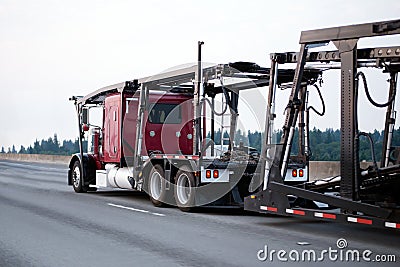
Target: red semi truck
x=153, y=136
x=112, y=145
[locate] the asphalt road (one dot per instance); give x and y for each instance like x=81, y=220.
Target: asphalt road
x=44, y=223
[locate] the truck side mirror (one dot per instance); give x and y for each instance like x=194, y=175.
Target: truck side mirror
x=85, y=116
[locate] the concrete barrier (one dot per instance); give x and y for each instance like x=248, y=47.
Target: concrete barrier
x=324, y=169
x=37, y=158
x=318, y=169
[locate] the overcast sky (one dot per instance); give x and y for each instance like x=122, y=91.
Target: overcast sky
x=51, y=50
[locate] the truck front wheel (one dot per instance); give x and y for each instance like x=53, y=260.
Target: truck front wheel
x=156, y=189
x=184, y=190
x=77, y=178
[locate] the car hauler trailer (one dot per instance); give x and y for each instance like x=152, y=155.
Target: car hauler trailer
x=365, y=196
x=153, y=135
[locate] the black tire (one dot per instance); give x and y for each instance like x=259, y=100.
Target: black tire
x=156, y=186
x=184, y=192
x=76, y=174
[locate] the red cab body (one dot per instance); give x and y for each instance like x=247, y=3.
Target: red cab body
x=168, y=125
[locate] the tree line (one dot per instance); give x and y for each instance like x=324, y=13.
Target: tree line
x=324, y=145
x=51, y=146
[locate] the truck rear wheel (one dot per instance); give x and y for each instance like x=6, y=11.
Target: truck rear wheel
x=156, y=189
x=77, y=178
x=184, y=190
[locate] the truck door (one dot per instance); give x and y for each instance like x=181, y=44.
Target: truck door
x=129, y=128
x=111, y=131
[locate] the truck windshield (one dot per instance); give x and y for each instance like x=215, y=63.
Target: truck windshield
x=161, y=113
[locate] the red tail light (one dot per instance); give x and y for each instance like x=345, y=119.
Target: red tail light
x=208, y=174
x=215, y=174
x=301, y=173
x=294, y=173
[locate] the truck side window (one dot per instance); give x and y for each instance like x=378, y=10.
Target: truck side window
x=161, y=113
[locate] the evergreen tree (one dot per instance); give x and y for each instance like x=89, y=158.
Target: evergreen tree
x=2, y=150
x=76, y=145
x=328, y=134
x=36, y=147
x=22, y=150
x=55, y=141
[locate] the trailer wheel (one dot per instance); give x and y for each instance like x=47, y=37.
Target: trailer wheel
x=184, y=190
x=156, y=187
x=77, y=178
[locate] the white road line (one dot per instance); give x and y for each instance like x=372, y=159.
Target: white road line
x=137, y=210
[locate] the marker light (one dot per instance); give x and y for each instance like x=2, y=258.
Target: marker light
x=85, y=127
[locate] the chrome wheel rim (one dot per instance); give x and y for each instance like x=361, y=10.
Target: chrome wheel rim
x=76, y=176
x=155, y=185
x=184, y=189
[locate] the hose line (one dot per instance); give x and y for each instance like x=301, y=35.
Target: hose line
x=371, y=143
x=227, y=101
x=367, y=91
x=322, y=102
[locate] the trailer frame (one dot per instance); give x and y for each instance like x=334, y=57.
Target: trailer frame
x=348, y=205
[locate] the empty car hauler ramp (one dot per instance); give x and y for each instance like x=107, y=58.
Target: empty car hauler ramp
x=364, y=196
